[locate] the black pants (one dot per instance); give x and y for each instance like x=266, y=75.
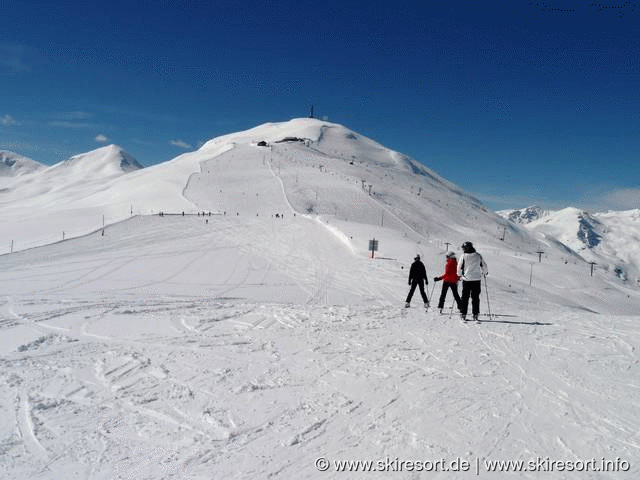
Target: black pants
x=470, y=289
x=414, y=284
x=454, y=290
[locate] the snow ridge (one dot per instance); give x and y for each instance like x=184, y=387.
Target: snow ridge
x=525, y=215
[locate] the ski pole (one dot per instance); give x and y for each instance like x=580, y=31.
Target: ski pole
x=487, y=292
x=432, y=289
x=451, y=309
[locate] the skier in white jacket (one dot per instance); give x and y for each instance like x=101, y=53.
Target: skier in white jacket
x=472, y=268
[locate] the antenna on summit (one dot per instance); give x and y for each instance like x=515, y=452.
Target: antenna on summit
x=311, y=112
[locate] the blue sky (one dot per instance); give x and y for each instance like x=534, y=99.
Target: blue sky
x=517, y=102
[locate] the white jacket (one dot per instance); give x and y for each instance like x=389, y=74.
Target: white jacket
x=472, y=267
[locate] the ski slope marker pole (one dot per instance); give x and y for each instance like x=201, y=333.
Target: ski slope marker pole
x=486, y=290
x=432, y=289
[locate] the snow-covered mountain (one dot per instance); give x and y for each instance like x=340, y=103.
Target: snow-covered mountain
x=525, y=215
x=103, y=162
x=306, y=166
x=94, y=168
x=309, y=166
x=63, y=200
x=611, y=239
x=575, y=228
x=264, y=341
x=12, y=164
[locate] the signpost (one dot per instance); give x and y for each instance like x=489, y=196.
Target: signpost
x=373, y=246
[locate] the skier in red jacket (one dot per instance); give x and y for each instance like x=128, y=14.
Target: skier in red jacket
x=449, y=280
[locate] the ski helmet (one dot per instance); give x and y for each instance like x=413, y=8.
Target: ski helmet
x=451, y=254
x=467, y=247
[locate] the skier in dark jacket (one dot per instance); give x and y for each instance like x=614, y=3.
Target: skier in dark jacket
x=449, y=280
x=417, y=278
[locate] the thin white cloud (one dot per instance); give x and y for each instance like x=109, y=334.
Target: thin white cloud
x=78, y=115
x=181, y=144
x=42, y=150
x=510, y=201
x=8, y=120
x=600, y=198
x=623, y=199
x=76, y=120
x=101, y=138
x=13, y=58
x=67, y=124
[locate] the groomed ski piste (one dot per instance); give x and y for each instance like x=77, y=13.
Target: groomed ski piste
x=255, y=337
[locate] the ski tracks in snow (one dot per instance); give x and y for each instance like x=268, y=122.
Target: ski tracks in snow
x=159, y=388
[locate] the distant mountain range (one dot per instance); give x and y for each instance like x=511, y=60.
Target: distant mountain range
x=610, y=239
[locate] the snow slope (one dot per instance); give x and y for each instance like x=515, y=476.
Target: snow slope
x=243, y=344
x=250, y=347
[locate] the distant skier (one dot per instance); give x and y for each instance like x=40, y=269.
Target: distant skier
x=472, y=268
x=417, y=278
x=449, y=280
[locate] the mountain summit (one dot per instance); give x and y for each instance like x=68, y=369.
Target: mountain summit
x=525, y=215
x=322, y=168
x=104, y=162
x=12, y=164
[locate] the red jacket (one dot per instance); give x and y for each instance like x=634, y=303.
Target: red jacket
x=450, y=271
